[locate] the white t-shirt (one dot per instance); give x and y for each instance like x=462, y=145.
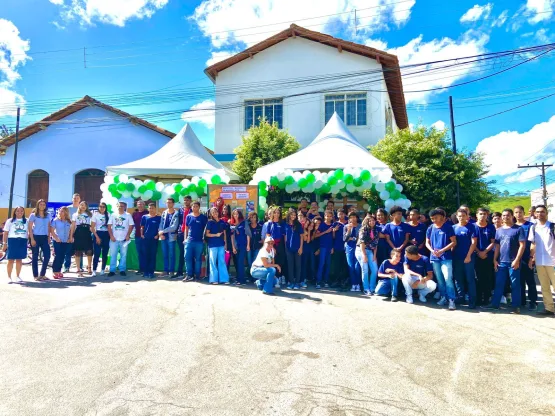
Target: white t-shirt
x=17, y=229
x=100, y=221
x=545, y=246
x=263, y=253
x=120, y=225
x=81, y=219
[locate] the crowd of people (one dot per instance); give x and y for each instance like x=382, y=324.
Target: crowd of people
x=458, y=260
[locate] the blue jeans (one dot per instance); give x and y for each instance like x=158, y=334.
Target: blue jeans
x=251, y=257
x=60, y=251
x=103, y=249
x=141, y=253
x=41, y=243
x=504, y=271
x=354, y=267
x=193, y=257
x=387, y=287
x=369, y=270
x=266, y=278
x=218, y=269
x=115, y=248
x=464, y=274
x=69, y=254
x=181, y=250
x=240, y=264
x=168, y=251
x=307, y=263
x=324, y=265
x=151, y=249
x=443, y=270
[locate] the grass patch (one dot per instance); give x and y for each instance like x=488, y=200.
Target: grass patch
x=510, y=202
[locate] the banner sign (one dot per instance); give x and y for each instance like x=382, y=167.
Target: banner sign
x=243, y=197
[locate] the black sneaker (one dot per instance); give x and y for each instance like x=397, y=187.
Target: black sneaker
x=393, y=299
x=179, y=275
x=532, y=306
x=140, y=272
x=490, y=307
x=174, y=276
x=545, y=313
x=122, y=274
x=111, y=274
x=515, y=311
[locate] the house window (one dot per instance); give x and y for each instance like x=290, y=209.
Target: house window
x=87, y=185
x=270, y=109
x=350, y=107
x=37, y=187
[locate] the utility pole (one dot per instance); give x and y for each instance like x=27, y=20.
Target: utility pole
x=14, y=163
x=543, y=183
x=454, y=144
x=355, y=22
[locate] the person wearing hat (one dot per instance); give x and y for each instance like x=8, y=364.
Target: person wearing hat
x=264, y=269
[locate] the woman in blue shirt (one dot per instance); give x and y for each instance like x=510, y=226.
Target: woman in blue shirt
x=274, y=228
x=350, y=235
x=240, y=240
x=307, y=258
x=61, y=227
x=294, y=236
x=216, y=237
x=365, y=253
x=256, y=242
x=383, y=250
x=325, y=235
x=39, y=235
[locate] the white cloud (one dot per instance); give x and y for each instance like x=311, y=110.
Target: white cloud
x=202, y=112
x=501, y=19
x=218, y=56
x=439, y=125
x=219, y=19
x=543, y=37
x=506, y=150
x=376, y=44
x=540, y=10
x=13, y=54
x=114, y=12
x=476, y=13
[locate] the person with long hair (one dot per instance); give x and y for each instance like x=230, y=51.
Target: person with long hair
x=256, y=241
x=216, y=236
x=339, y=266
x=15, y=237
x=75, y=200
x=101, y=237
x=307, y=258
x=60, y=232
x=382, y=252
x=80, y=235
x=324, y=234
x=367, y=243
x=294, y=236
x=274, y=228
x=137, y=215
x=350, y=236
x=240, y=240
x=39, y=236
x=229, y=225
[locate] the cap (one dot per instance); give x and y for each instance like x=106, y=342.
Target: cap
x=268, y=239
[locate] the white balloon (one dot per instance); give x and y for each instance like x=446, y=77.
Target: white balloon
x=356, y=172
x=399, y=187
x=159, y=186
x=380, y=187
x=195, y=180
x=366, y=207
x=289, y=188
x=389, y=202
x=317, y=174
x=108, y=179
x=318, y=184
x=193, y=196
x=384, y=195
x=126, y=194
x=351, y=188
x=385, y=175
x=261, y=199
x=185, y=183
x=297, y=176
x=123, y=178
x=104, y=187
x=309, y=188
x=136, y=194
x=408, y=203
x=147, y=194
x=324, y=177
x=305, y=172
x=281, y=175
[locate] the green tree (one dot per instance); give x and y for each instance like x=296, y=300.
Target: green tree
x=262, y=145
x=423, y=162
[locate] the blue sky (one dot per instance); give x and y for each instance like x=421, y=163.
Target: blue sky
x=134, y=46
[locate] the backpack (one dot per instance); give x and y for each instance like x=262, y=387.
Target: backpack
x=551, y=229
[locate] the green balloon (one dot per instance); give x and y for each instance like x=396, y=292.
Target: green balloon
x=282, y=185
x=178, y=188
x=325, y=189
x=108, y=208
x=156, y=195
x=142, y=189
x=348, y=178
x=332, y=180
x=403, y=196
x=365, y=175
x=289, y=180
x=338, y=174
x=263, y=192
x=216, y=179
x=390, y=186
x=116, y=179
x=183, y=192
x=150, y=185
x=117, y=195
x=357, y=182
x=262, y=185
x=112, y=188
x=122, y=187
x=130, y=187
x=202, y=183
x=199, y=190
x=310, y=178
x=175, y=197
x=274, y=181
x=395, y=194
x=191, y=188
x=302, y=183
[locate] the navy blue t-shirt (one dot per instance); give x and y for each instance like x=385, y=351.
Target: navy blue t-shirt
x=195, y=226
x=526, y=226
x=485, y=235
x=397, y=233
x=508, y=240
x=214, y=227
x=240, y=234
x=294, y=234
x=421, y=266
x=151, y=225
x=338, y=243
x=417, y=232
x=275, y=229
x=310, y=215
x=440, y=238
x=464, y=234
x=326, y=240
x=256, y=236
x=386, y=264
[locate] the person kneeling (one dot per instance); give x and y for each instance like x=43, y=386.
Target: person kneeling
x=418, y=274
x=264, y=269
x=390, y=272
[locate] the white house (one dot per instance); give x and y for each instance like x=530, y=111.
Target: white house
x=536, y=198
x=69, y=150
x=298, y=78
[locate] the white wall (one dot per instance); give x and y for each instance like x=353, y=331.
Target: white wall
x=536, y=197
x=63, y=150
x=303, y=116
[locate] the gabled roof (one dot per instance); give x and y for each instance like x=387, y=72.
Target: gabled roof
x=84, y=102
x=390, y=63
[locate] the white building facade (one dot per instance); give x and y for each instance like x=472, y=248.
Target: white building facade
x=298, y=78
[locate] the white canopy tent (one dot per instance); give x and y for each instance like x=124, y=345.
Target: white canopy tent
x=184, y=155
x=334, y=148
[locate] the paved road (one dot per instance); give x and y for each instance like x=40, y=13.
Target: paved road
x=170, y=348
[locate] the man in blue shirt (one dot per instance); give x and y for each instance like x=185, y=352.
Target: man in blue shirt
x=463, y=258
x=483, y=265
x=150, y=223
x=339, y=267
x=195, y=223
x=526, y=273
x=510, y=243
x=418, y=274
x=397, y=233
x=440, y=240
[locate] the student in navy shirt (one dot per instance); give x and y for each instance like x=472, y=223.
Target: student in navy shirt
x=440, y=240
x=418, y=274
x=365, y=254
x=397, y=233
x=150, y=224
x=417, y=231
x=389, y=273
x=216, y=237
x=463, y=258
x=324, y=234
x=483, y=264
x=193, y=236
x=294, y=236
x=256, y=241
x=510, y=243
x=526, y=273
x=240, y=240
x=313, y=211
x=339, y=265
x=350, y=236
x=382, y=253
x=274, y=228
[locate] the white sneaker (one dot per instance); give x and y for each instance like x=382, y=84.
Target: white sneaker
x=277, y=285
x=452, y=305
x=442, y=301
x=93, y=274
x=503, y=300
x=282, y=280
x=102, y=272
x=437, y=296
x=409, y=299
x=357, y=287
x=422, y=299
x=353, y=288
